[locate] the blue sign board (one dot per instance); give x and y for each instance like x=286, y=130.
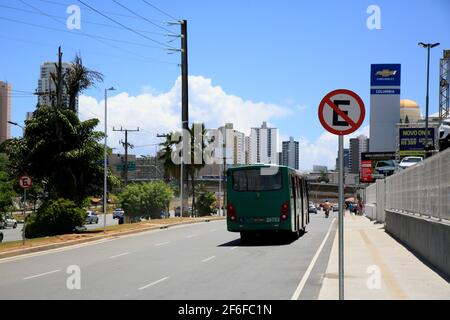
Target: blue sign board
x=412, y=141
x=385, y=75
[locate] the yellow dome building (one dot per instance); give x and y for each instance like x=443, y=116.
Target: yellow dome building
x=410, y=109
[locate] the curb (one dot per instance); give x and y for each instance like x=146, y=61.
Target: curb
x=46, y=247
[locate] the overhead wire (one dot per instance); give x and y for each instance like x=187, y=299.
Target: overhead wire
x=158, y=9
x=140, y=16
x=84, y=20
x=163, y=45
x=107, y=12
x=81, y=32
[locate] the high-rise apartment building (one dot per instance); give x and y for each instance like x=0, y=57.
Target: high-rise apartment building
x=46, y=85
x=5, y=111
x=290, y=154
x=357, y=146
x=263, y=145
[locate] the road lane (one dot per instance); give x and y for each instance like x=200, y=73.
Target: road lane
x=269, y=270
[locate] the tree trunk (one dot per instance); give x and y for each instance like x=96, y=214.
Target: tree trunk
x=193, y=192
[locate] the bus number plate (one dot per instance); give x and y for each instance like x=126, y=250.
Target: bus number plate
x=272, y=220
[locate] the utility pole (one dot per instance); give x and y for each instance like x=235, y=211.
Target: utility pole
x=184, y=103
x=59, y=75
x=126, y=145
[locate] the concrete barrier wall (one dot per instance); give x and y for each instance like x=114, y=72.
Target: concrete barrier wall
x=370, y=210
x=428, y=238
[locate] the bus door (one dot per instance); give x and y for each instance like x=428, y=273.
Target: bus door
x=294, y=202
x=306, y=199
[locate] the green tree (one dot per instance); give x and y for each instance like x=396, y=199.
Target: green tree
x=323, y=177
x=146, y=199
x=197, y=146
x=61, y=152
x=77, y=79
x=54, y=217
x=206, y=201
x=6, y=187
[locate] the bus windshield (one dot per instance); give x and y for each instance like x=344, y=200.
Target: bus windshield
x=252, y=180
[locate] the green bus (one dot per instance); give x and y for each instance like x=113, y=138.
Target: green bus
x=266, y=198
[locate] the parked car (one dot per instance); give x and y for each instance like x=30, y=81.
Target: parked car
x=312, y=209
x=444, y=135
x=409, y=162
x=178, y=211
x=8, y=222
x=118, y=213
x=335, y=207
x=384, y=168
x=91, y=217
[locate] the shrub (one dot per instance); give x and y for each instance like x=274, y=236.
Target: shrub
x=205, y=203
x=146, y=199
x=54, y=217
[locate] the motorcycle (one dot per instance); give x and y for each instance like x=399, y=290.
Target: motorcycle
x=327, y=213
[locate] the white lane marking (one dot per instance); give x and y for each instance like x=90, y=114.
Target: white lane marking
x=41, y=275
x=119, y=255
x=302, y=283
x=234, y=248
x=161, y=244
x=191, y=236
x=153, y=283
x=208, y=259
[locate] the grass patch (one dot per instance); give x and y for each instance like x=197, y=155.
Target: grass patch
x=110, y=231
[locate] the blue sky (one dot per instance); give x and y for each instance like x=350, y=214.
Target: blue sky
x=285, y=53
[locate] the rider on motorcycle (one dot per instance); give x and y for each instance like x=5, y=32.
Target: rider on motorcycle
x=327, y=206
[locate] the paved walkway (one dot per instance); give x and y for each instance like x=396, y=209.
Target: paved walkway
x=369, y=250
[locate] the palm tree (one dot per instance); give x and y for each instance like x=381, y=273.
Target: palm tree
x=77, y=79
x=172, y=170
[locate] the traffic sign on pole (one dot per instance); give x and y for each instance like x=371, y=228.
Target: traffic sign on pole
x=341, y=112
x=25, y=182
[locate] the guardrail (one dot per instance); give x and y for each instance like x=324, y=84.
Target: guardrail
x=423, y=189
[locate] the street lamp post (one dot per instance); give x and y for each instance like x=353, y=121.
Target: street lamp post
x=428, y=46
x=105, y=161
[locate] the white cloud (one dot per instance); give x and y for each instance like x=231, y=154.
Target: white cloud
x=160, y=113
x=324, y=150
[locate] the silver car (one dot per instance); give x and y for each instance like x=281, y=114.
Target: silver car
x=8, y=222
x=91, y=217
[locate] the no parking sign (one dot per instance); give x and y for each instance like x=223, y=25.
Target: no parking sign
x=341, y=112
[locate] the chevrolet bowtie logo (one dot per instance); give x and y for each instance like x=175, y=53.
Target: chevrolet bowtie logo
x=386, y=73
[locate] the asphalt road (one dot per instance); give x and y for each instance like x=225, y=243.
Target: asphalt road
x=198, y=261
x=11, y=234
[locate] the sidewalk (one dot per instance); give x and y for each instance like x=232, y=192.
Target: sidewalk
x=367, y=247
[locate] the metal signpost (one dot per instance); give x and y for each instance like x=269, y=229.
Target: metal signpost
x=25, y=183
x=341, y=112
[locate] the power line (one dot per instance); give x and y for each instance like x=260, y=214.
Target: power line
x=124, y=26
x=84, y=21
x=156, y=8
x=141, y=17
x=81, y=32
x=110, y=13
x=135, y=56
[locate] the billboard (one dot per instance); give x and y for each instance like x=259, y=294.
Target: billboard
x=412, y=141
x=377, y=165
x=385, y=81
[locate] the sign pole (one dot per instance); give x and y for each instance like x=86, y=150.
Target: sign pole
x=24, y=215
x=341, y=218
x=341, y=112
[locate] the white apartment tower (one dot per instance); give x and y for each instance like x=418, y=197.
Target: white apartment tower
x=263, y=145
x=46, y=87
